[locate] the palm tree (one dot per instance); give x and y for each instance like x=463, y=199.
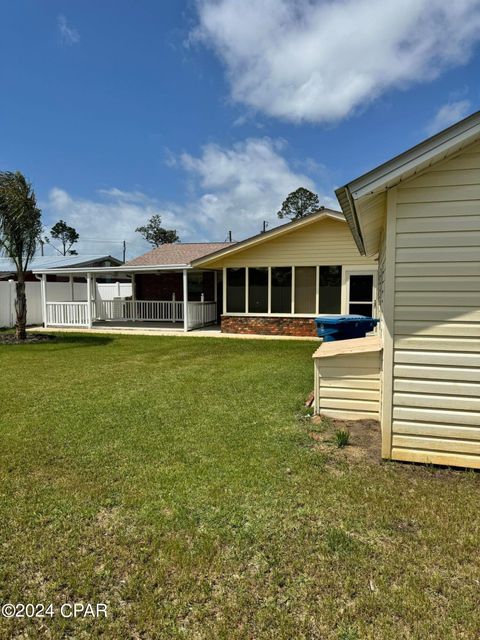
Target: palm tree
x=20, y=228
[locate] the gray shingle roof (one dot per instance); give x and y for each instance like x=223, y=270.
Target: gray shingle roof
x=178, y=253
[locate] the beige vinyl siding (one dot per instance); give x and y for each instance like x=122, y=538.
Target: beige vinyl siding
x=347, y=385
x=436, y=334
x=326, y=242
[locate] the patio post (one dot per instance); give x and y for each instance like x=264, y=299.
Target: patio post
x=134, y=298
x=89, y=300
x=72, y=288
x=94, y=293
x=185, y=300
x=43, y=291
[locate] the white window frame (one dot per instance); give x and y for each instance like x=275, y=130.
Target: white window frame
x=347, y=270
x=355, y=270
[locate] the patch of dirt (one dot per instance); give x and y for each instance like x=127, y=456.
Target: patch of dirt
x=9, y=338
x=364, y=444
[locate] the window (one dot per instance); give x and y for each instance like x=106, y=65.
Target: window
x=330, y=289
x=281, y=289
x=257, y=290
x=361, y=294
x=236, y=290
x=305, y=278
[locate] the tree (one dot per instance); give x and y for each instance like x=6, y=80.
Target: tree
x=298, y=204
x=155, y=234
x=20, y=228
x=67, y=235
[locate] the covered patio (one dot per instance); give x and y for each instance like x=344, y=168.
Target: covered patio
x=171, y=297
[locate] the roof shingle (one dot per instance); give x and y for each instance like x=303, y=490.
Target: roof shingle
x=178, y=253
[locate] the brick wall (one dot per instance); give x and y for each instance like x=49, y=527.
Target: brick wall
x=271, y=326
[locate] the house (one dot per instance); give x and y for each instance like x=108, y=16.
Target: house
x=275, y=282
x=8, y=270
x=420, y=213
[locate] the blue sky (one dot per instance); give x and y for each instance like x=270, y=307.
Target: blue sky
x=210, y=112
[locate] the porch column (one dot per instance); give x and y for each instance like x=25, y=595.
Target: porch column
x=94, y=293
x=185, y=300
x=134, y=298
x=89, y=300
x=43, y=290
x=224, y=288
x=72, y=288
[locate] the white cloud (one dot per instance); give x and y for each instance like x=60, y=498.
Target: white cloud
x=104, y=223
x=448, y=114
x=68, y=34
x=241, y=186
x=231, y=188
x=307, y=60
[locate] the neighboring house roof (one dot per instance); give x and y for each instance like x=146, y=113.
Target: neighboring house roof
x=268, y=235
x=178, y=253
x=58, y=262
x=363, y=200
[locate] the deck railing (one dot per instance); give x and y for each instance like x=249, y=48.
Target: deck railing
x=74, y=314
x=145, y=310
x=69, y=314
x=201, y=314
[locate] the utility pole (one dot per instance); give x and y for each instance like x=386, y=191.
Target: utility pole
x=229, y=236
x=265, y=225
x=41, y=246
x=124, y=250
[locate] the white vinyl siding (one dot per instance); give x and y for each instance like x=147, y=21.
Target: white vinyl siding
x=326, y=242
x=347, y=385
x=436, y=358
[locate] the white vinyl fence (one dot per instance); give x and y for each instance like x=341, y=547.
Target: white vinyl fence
x=56, y=292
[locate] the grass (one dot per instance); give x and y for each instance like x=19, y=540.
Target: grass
x=341, y=438
x=173, y=479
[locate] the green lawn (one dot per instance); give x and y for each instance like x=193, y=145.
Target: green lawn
x=172, y=479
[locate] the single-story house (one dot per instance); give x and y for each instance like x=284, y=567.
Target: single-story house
x=275, y=282
x=9, y=272
x=420, y=213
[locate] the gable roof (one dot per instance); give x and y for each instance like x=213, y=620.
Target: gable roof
x=178, y=253
x=363, y=200
x=58, y=262
x=269, y=235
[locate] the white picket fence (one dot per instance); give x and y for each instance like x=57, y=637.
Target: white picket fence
x=56, y=292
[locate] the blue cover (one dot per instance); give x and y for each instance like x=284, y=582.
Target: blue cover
x=345, y=327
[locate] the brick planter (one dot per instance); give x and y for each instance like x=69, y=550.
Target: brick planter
x=270, y=326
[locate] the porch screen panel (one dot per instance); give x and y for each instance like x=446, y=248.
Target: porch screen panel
x=281, y=290
x=236, y=290
x=330, y=289
x=257, y=290
x=305, y=279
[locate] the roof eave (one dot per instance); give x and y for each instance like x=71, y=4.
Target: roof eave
x=106, y=270
x=348, y=207
x=419, y=157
